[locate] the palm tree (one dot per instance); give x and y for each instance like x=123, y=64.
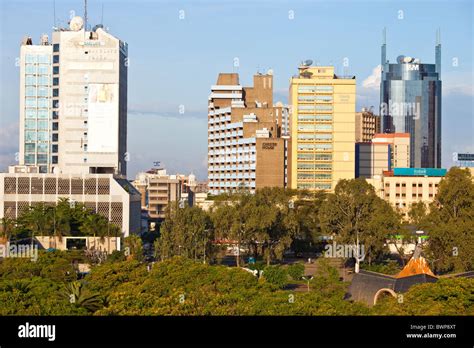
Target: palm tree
x=8, y=225
x=76, y=295
x=38, y=219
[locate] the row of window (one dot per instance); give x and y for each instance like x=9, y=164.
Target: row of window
x=387, y=184
x=315, y=156
x=313, y=186
x=313, y=176
x=34, y=113
x=33, y=69
x=42, y=80
x=37, y=102
x=314, y=166
x=413, y=195
x=314, y=107
x=312, y=118
x=315, y=136
x=312, y=89
x=314, y=127
x=312, y=98
x=312, y=147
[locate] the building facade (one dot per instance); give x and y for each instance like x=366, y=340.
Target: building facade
x=114, y=198
x=89, y=93
x=35, y=122
x=372, y=159
x=410, y=102
x=366, y=126
x=399, y=148
x=322, y=128
x=246, y=149
x=404, y=186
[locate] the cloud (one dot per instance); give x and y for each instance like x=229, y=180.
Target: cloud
x=373, y=81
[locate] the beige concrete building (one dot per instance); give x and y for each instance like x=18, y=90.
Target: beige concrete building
x=159, y=189
x=399, y=145
x=366, y=126
x=402, y=190
x=322, y=128
x=245, y=144
x=112, y=197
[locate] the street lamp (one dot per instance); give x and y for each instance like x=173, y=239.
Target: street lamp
x=308, y=279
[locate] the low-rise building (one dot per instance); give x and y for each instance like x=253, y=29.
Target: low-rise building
x=108, y=195
x=404, y=186
x=399, y=145
x=372, y=159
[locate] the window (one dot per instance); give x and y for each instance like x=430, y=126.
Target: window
x=30, y=69
x=30, y=113
x=404, y=185
x=30, y=136
x=54, y=148
x=30, y=147
x=43, y=80
x=42, y=113
x=54, y=160
x=42, y=103
x=30, y=80
x=42, y=91
x=55, y=81
x=43, y=148
x=55, y=92
x=30, y=91
x=55, y=47
x=30, y=58
x=30, y=159
x=55, y=137
x=85, y=147
x=30, y=124
x=420, y=185
x=55, y=115
x=413, y=185
x=43, y=136
x=30, y=102
x=55, y=59
x=42, y=159
x=55, y=126
x=43, y=125
x=55, y=104
x=44, y=59
x=55, y=70
x=43, y=69
x=397, y=184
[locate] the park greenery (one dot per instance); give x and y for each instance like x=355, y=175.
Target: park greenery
x=189, y=277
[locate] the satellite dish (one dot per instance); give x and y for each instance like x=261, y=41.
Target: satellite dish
x=270, y=72
x=407, y=60
x=308, y=62
x=400, y=59
x=76, y=23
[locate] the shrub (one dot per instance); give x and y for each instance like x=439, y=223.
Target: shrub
x=296, y=271
x=275, y=275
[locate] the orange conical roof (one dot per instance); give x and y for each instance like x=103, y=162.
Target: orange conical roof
x=416, y=265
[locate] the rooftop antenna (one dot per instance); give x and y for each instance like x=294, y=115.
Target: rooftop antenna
x=102, y=15
x=54, y=13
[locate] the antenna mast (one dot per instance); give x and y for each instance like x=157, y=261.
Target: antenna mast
x=85, y=15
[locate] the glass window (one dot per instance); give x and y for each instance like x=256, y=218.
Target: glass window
x=43, y=69
x=30, y=113
x=42, y=103
x=55, y=47
x=326, y=98
x=43, y=125
x=43, y=80
x=55, y=59
x=55, y=160
x=30, y=80
x=55, y=137
x=55, y=70
x=30, y=69
x=324, y=107
x=30, y=124
x=43, y=148
x=55, y=115
x=30, y=91
x=42, y=113
x=29, y=159
x=55, y=92
x=31, y=58
x=30, y=147
x=30, y=136
x=54, y=148
x=30, y=102
x=44, y=58
x=43, y=136
x=42, y=159
x=55, y=81
x=42, y=91
x=55, y=126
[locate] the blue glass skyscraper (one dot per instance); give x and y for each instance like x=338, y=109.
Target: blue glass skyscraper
x=410, y=102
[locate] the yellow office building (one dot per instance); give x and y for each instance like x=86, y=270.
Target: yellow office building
x=322, y=128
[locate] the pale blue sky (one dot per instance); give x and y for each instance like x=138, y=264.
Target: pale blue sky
x=174, y=61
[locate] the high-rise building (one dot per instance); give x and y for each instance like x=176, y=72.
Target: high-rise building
x=372, y=159
x=366, y=126
x=73, y=102
x=322, y=128
x=245, y=144
x=35, y=104
x=410, y=102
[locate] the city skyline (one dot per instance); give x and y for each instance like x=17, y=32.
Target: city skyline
x=166, y=89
